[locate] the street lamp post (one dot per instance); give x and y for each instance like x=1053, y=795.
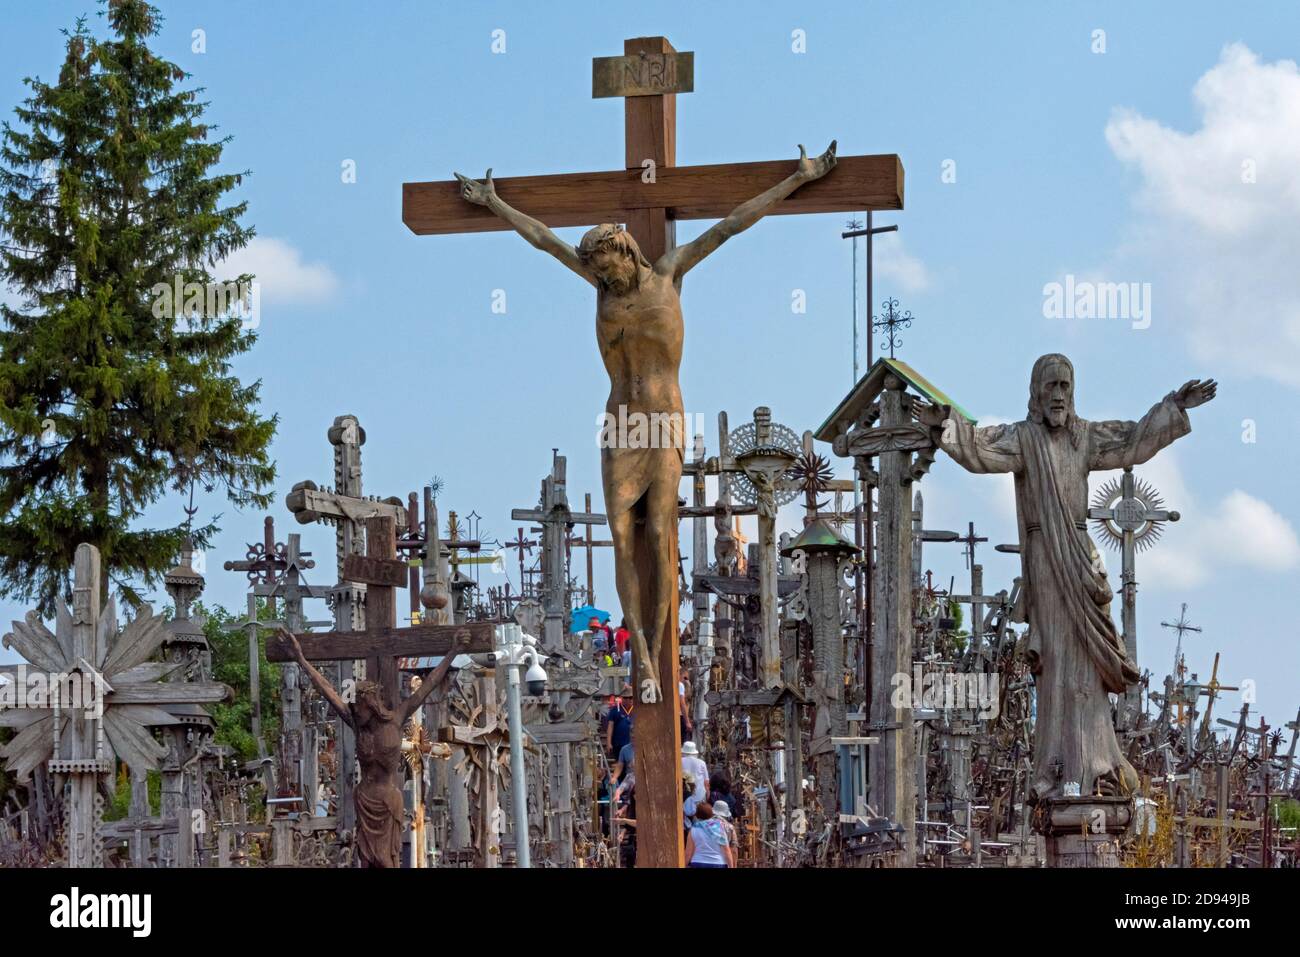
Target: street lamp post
x=518, y=651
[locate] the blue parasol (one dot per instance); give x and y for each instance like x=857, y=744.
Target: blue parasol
x=579, y=617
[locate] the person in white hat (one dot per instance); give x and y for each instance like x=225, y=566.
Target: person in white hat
x=722, y=811
x=693, y=765
x=707, y=843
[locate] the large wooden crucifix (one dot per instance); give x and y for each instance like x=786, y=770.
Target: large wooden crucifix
x=637, y=272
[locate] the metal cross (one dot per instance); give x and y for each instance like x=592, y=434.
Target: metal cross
x=521, y=544
x=893, y=321
x=1181, y=625
x=969, y=540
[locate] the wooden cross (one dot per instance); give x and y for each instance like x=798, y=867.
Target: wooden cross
x=590, y=544
x=649, y=194
x=452, y=547
x=1294, y=728
x=482, y=741
x=263, y=561
x=1212, y=692
x=555, y=519
x=382, y=643
x=344, y=507
x=297, y=746
x=652, y=192
x=105, y=705
x=521, y=544
x=1239, y=730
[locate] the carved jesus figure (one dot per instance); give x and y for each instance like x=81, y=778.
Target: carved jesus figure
x=378, y=728
x=639, y=332
x=1077, y=654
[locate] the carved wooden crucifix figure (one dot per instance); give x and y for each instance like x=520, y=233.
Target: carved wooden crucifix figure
x=637, y=274
x=374, y=709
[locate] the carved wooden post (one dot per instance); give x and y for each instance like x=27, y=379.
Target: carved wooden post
x=827, y=560
x=893, y=761
x=764, y=464
x=85, y=758
x=853, y=429
x=348, y=598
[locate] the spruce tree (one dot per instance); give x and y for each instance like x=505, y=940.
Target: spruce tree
x=108, y=397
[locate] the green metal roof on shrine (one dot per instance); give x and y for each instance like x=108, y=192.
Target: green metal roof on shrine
x=819, y=536
x=870, y=386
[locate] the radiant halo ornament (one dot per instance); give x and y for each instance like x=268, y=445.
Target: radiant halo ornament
x=1133, y=513
x=744, y=439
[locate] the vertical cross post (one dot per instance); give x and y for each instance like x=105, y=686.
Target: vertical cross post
x=381, y=606
x=764, y=464
x=84, y=848
x=650, y=133
x=893, y=781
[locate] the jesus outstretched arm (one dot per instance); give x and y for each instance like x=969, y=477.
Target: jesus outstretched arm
x=1118, y=444
x=435, y=677
x=684, y=258
x=322, y=684
x=537, y=233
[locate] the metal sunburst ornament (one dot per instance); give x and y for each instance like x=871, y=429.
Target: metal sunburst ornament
x=813, y=472
x=1131, y=511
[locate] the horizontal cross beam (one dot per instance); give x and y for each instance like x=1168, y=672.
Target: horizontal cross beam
x=711, y=511
x=570, y=518
x=409, y=642
x=172, y=692
x=687, y=192
x=310, y=505
x=563, y=733
x=473, y=736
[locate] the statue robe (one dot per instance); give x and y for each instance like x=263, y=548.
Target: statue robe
x=380, y=810
x=1081, y=655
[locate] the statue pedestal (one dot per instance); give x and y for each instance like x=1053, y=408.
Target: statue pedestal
x=1084, y=831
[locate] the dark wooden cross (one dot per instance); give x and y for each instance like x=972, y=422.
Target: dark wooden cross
x=555, y=520
x=590, y=543
x=648, y=195
x=521, y=544
x=382, y=643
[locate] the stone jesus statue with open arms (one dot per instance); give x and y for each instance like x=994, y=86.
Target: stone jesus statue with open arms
x=639, y=331
x=1078, y=656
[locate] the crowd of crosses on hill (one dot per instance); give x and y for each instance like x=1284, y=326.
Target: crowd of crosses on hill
x=811, y=698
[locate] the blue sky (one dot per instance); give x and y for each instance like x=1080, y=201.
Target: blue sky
x=1124, y=165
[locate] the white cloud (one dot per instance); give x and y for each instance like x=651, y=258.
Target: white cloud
x=282, y=275
x=1239, y=531
x=894, y=263
x=1218, y=208
x=1250, y=532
